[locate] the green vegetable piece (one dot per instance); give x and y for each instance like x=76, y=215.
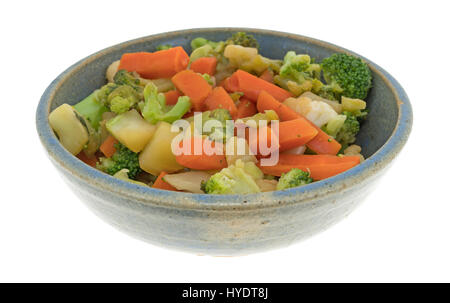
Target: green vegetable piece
x=123, y=158
x=91, y=109
x=293, y=178
x=123, y=175
x=243, y=39
x=232, y=180
x=163, y=47
x=155, y=109
x=349, y=73
x=199, y=42
x=123, y=77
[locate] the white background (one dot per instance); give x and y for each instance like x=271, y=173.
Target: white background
x=400, y=233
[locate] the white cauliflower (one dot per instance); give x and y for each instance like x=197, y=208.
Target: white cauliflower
x=315, y=111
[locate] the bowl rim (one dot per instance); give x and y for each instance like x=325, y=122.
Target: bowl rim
x=305, y=194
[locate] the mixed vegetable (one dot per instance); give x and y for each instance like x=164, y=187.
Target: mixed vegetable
x=130, y=127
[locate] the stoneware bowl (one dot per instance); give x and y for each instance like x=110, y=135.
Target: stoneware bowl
x=227, y=224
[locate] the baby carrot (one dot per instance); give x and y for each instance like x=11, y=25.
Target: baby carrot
x=172, y=97
x=219, y=98
x=160, y=64
x=294, y=133
x=245, y=108
x=319, y=166
x=251, y=86
x=107, y=147
x=194, y=86
x=205, y=65
x=202, y=160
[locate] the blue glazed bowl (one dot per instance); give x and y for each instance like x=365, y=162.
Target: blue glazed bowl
x=230, y=224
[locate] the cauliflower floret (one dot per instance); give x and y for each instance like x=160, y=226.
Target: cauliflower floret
x=315, y=111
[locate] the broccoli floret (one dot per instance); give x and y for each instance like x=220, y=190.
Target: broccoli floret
x=231, y=180
x=243, y=39
x=119, y=98
x=155, y=109
x=298, y=74
x=123, y=77
x=163, y=47
x=347, y=133
x=123, y=158
x=293, y=178
x=349, y=73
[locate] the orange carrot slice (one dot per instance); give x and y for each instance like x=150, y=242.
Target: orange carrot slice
x=219, y=98
x=172, y=97
x=107, y=147
x=194, y=86
x=251, y=86
x=294, y=133
x=202, y=160
x=205, y=65
x=245, y=108
x=319, y=166
x=160, y=64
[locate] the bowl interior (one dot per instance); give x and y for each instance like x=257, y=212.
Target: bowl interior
x=382, y=104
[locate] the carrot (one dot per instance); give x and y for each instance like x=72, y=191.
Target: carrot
x=161, y=184
x=219, y=98
x=267, y=75
x=264, y=134
x=172, y=97
x=322, y=143
x=294, y=133
x=266, y=101
x=194, y=86
x=225, y=84
x=201, y=161
x=245, y=108
x=160, y=64
x=107, y=147
x=319, y=166
x=89, y=160
x=205, y=65
x=251, y=86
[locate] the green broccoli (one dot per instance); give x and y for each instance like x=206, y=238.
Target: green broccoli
x=154, y=108
x=349, y=73
x=293, y=178
x=243, y=39
x=163, y=47
x=123, y=77
x=298, y=74
x=234, y=179
x=347, y=133
x=122, y=158
x=119, y=98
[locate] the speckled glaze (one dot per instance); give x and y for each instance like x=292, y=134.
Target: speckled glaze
x=233, y=224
